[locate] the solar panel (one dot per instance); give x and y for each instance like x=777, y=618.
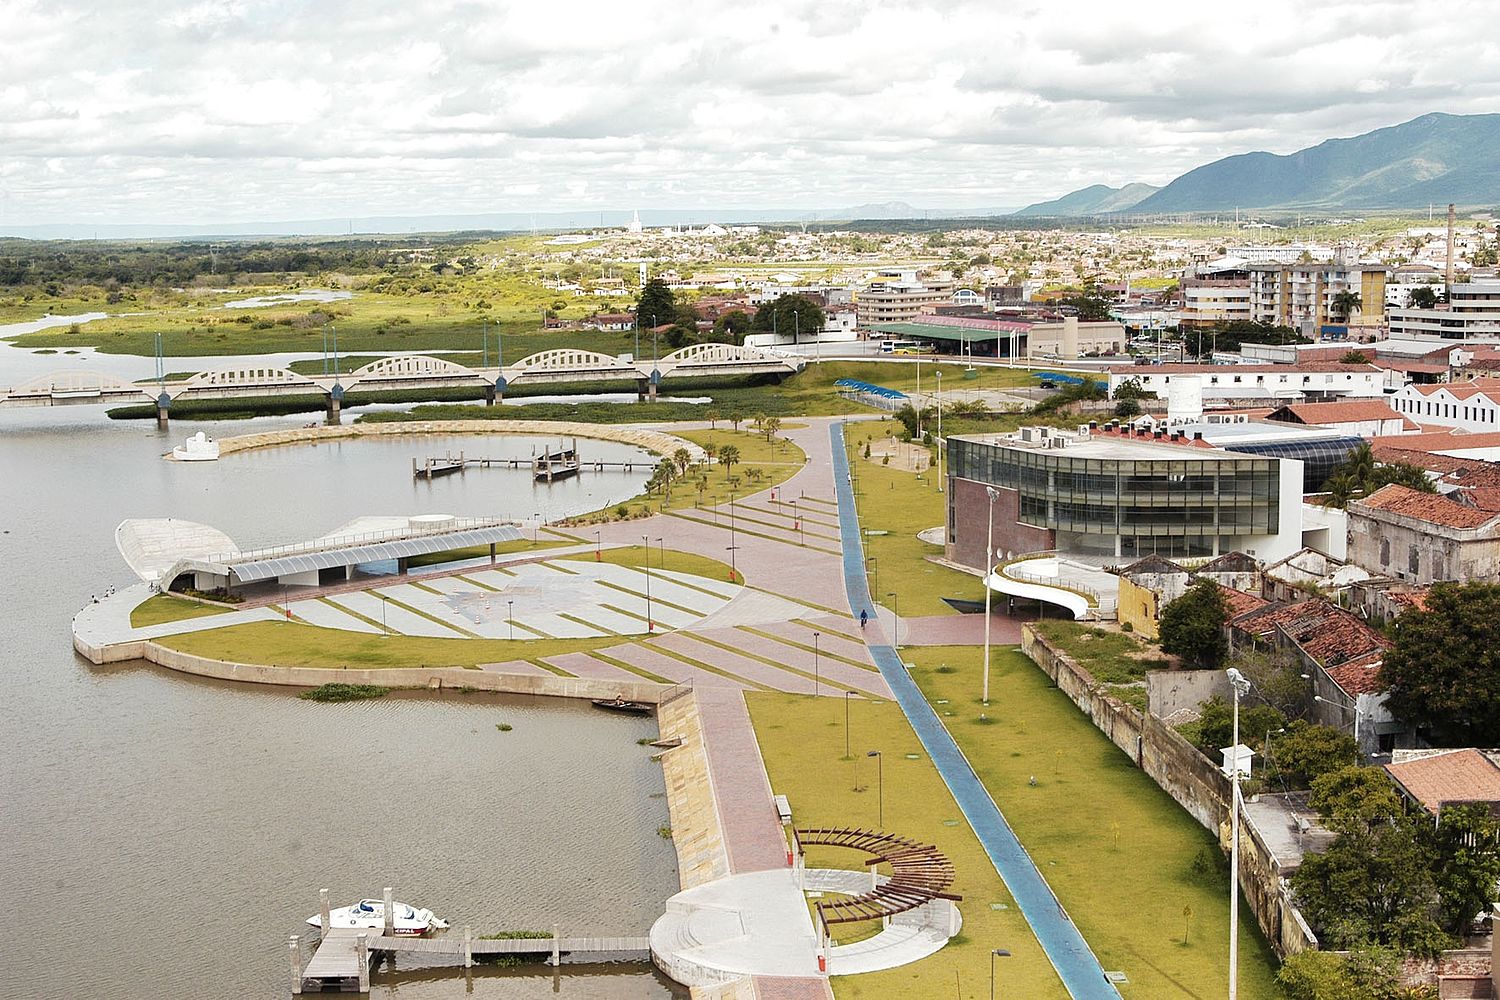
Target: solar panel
x=268, y=569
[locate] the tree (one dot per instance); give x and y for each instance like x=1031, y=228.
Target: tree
x=1216, y=725
x=656, y=305
x=1127, y=408
x=1345, y=304
x=1467, y=843
x=1090, y=307
x=733, y=325
x=769, y=426
x=1307, y=751
x=1443, y=673
x=1373, y=885
x=1422, y=297
x=1276, y=678
x=1131, y=389
x=1192, y=626
x=729, y=456
x=1355, y=794
x=789, y=314
x=734, y=417
x=1318, y=975
x=1360, y=474
x=1353, y=357
x=713, y=417
x=682, y=458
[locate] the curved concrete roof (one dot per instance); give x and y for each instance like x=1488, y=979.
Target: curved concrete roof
x=151, y=546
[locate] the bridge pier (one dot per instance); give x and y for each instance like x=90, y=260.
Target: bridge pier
x=335, y=405
x=163, y=405
x=640, y=389
x=490, y=393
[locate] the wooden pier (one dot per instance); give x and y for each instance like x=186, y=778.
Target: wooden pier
x=343, y=957
x=549, y=466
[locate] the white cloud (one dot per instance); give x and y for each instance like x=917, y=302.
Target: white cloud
x=231, y=110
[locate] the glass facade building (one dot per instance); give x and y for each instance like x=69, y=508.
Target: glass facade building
x=1129, y=506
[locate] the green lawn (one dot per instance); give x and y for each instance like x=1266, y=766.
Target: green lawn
x=775, y=462
x=802, y=741
x=161, y=608
x=1115, y=848
x=292, y=644
x=900, y=505
x=677, y=562
x=1112, y=657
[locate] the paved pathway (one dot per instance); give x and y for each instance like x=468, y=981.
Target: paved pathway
x=1076, y=965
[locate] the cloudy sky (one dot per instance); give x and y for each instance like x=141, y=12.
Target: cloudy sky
x=252, y=110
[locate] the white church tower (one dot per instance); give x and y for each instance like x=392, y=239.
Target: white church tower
x=635, y=222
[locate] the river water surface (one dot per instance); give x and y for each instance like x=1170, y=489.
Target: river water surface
x=161, y=835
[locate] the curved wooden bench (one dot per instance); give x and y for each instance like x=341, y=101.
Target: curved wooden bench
x=920, y=873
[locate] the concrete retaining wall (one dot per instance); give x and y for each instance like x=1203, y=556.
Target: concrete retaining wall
x=407, y=677
x=1191, y=779
x=653, y=441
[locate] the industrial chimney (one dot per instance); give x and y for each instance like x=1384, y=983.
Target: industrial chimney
x=1448, y=278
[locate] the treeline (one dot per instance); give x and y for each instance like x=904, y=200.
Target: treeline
x=42, y=263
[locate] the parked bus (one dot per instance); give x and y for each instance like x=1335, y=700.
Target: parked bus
x=899, y=347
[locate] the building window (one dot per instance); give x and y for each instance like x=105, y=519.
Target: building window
x=1385, y=552
x=1413, y=560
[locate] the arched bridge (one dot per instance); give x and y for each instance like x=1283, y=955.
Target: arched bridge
x=557, y=366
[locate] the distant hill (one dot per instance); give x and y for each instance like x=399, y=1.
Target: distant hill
x=1096, y=199
x=1435, y=158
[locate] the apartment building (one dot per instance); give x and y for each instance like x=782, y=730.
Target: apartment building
x=1209, y=301
x=1473, y=312
x=1303, y=295
x=897, y=296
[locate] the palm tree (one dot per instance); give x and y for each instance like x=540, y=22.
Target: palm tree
x=1346, y=303
x=729, y=455
x=683, y=458
x=713, y=418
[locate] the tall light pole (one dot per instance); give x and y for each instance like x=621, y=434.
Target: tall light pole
x=1241, y=687
x=996, y=953
x=989, y=567
x=647, y=540
x=511, y=616
x=815, y=664
x=847, y=696
x=598, y=545
x=940, y=430
x=880, y=787
x=895, y=619
x=1340, y=705
x=661, y=546
x=732, y=572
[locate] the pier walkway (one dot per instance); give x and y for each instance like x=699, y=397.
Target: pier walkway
x=1069, y=953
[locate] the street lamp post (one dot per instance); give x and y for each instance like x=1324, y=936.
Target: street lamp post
x=598, y=545
x=1352, y=711
x=815, y=664
x=996, y=953
x=895, y=619
x=989, y=567
x=939, y=377
x=647, y=540
x=510, y=612
x=880, y=787
x=383, y=600
x=661, y=546
x=1241, y=687
x=847, y=696
x=733, y=573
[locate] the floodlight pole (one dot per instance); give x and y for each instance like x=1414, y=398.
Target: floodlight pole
x=646, y=539
x=880, y=787
x=1241, y=687
x=940, y=430
x=989, y=567
x=815, y=664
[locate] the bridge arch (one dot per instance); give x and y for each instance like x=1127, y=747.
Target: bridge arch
x=75, y=381
x=571, y=361
x=712, y=354
x=242, y=377
x=413, y=366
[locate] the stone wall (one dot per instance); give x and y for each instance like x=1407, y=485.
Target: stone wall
x=1173, y=692
x=1191, y=779
x=696, y=832
x=403, y=677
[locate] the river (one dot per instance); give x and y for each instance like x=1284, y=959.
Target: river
x=163, y=835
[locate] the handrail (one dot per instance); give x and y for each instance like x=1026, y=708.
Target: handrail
x=349, y=541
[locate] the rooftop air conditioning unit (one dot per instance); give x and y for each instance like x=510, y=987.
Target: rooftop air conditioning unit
x=1083, y=431
x=1057, y=441
x=1028, y=434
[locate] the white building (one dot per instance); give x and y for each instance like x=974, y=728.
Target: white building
x=1272, y=383
x=1473, y=312
x=1473, y=406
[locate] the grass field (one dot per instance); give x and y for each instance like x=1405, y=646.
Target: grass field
x=676, y=562
x=483, y=551
x=160, y=609
x=1118, y=852
x=292, y=644
x=802, y=741
x=899, y=504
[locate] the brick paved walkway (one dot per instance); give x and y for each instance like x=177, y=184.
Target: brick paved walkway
x=747, y=813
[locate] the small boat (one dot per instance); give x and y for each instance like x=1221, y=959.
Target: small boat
x=619, y=704
x=198, y=448
x=370, y=913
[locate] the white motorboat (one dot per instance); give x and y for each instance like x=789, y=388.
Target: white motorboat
x=370, y=914
x=198, y=448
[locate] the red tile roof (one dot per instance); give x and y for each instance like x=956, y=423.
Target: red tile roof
x=1343, y=412
x=1195, y=369
x=1458, y=776
x=1239, y=603
x=1360, y=676
x=1448, y=440
x=1431, y=507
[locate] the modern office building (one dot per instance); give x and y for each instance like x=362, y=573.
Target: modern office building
x=900, y=295
x=1473, y=312
x=1118, y=495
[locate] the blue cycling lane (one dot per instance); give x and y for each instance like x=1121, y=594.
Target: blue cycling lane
x=1076, y=965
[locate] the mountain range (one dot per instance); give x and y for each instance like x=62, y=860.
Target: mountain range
x=1437, y=158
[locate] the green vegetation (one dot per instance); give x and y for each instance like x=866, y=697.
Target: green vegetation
x=1090, y=815
x=1111, y=657
x=510, y=961
x=802, y=740
x=1192, y=626
x=161, y=608
x=676, y=562
x=1359, y=475
x=292, y=644
x=1365, y=974
x=344, y=692
x=1444, y=672
x=901, y=504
